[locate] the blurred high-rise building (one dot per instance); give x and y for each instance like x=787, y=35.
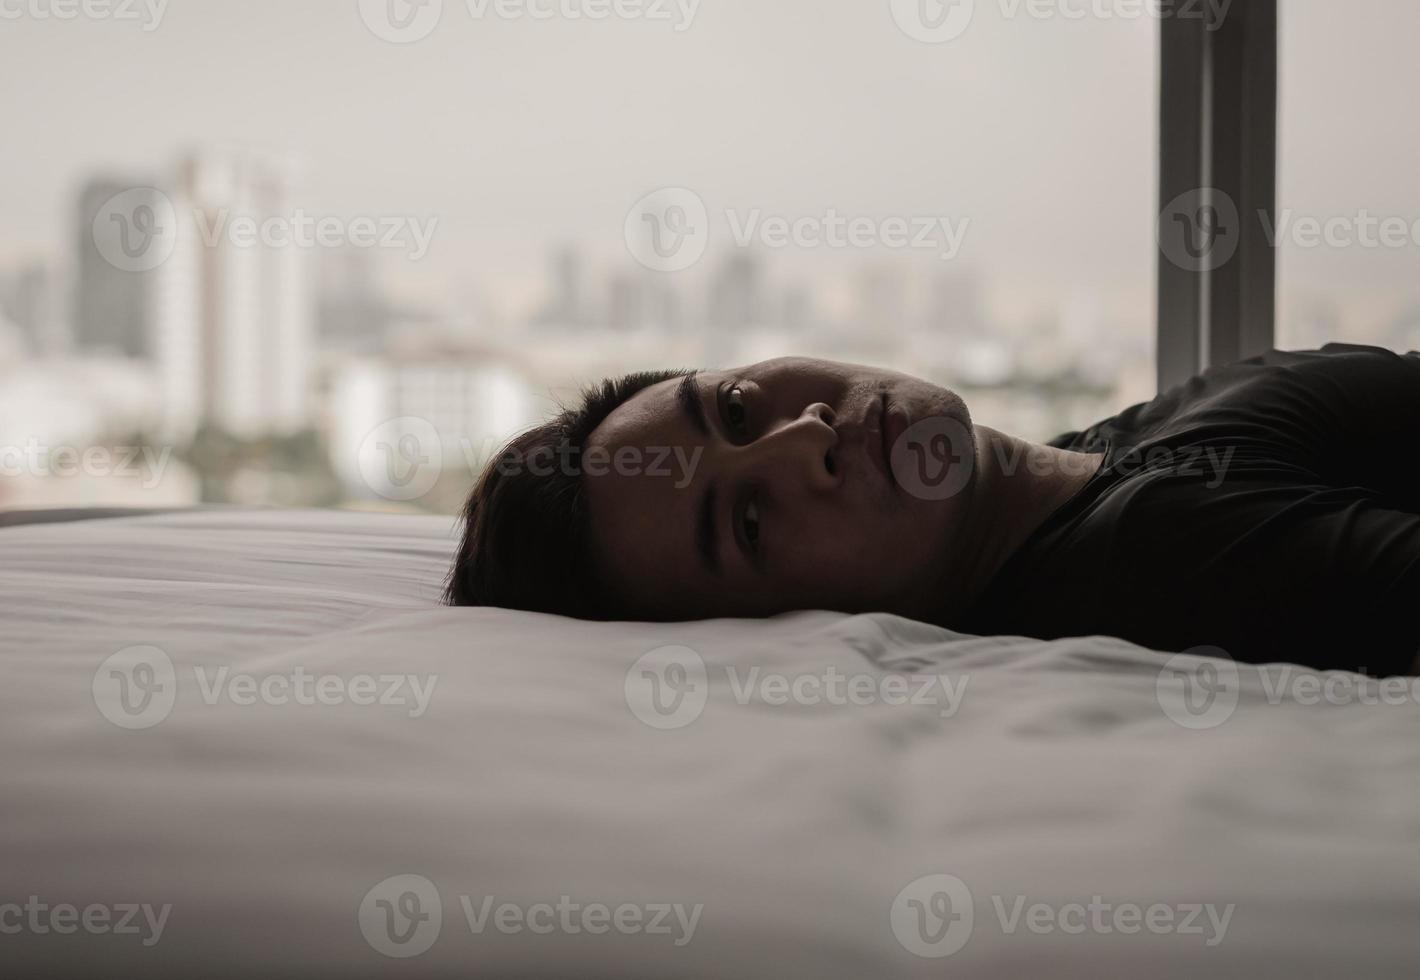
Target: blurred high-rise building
x=737, y=293
x=796, y=310
x=624, y=303
x=238, y=317
x=226, y=320
x=35, y=303
x=112, y=305
x=566, y=302
x=449, y=406
x=663, y=307
x=352, y=313
x=178, y=333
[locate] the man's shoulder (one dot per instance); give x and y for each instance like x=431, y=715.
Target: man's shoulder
x=1321, y=369
x=1331, y=359
x=1263, y=397
x=1293, y=369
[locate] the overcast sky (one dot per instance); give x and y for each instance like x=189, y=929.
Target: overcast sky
x=520, y=134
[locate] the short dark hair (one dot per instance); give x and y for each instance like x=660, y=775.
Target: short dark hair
x=526, y=534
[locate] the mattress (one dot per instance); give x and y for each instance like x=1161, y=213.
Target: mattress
x=252, y=744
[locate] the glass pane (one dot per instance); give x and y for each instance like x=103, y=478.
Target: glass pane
x=1348, y=226
x=279, y=244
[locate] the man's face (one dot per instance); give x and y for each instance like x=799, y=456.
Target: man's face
x=779, y=492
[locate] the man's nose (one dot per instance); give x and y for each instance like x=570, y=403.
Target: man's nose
x=800, y=453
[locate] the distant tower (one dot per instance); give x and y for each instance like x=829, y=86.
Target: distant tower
x=624, y=303
x=178, y=339
x=112, y=306
x=736, y=294
x=566, y=304
x=352, y=312
x=796, y=311
x=567, y=286
x=36, y=306
x=253, y=300
x=662, y=308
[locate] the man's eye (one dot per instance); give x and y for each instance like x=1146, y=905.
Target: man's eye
x=735, y=412
x=751, y=522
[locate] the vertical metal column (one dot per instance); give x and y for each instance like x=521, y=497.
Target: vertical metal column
x=1217, y=187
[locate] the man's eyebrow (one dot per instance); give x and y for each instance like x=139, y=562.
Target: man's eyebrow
x=705, y=537
x=687, y=396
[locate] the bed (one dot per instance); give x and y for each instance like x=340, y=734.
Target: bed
x=257, y=740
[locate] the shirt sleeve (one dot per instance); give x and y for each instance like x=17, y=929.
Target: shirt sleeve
x=1353, y=414
x=1320, y=576
x=1269, y=507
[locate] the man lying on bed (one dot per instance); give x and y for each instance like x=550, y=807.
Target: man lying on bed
x=1270, y=508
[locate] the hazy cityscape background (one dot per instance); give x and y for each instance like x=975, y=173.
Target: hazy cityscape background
x=475, y=184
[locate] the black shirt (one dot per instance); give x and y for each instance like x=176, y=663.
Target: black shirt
x=1270, y=508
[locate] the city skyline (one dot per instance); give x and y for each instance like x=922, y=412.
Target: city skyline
x=189, y=318
x=510, y=198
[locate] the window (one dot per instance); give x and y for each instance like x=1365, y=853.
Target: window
x=1348, y=226
x=261, y=224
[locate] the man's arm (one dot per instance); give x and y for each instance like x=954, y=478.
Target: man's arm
x=1355, y=412
x=1332, y=580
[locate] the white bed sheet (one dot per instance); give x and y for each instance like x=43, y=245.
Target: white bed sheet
x=1059, y=777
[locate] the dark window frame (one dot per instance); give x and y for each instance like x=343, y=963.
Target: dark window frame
x=1218, y=180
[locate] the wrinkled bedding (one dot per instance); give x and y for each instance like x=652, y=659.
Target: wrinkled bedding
x=257, y=736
